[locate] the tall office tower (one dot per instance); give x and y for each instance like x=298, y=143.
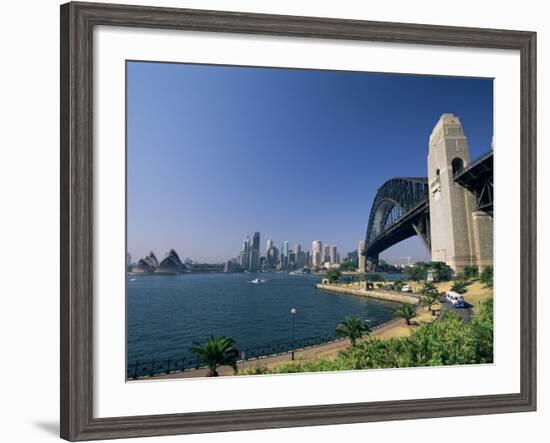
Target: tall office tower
x=272, y=257
x=457, y=230
x=333, y=255
x=316, y=254
x=326, y=255
x=244, y=257
x=308, y=258
x=269, y=245
x=254, y=264
x=361, y=256
x=300, y=260
x=284, y=255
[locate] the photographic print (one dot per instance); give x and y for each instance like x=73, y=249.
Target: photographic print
x=297, y=220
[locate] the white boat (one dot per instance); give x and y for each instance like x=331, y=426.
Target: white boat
x=257, y=281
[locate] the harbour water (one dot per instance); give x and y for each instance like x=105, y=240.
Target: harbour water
x=166, y=314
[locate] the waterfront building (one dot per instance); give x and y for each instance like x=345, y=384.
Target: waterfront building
x=326, y=255
x=269, y=245
x=316, y=254
x=333, y=255
x=308, y=258
x=361, y=256
x=231, y=266
x=171, y=264
x=145, y=265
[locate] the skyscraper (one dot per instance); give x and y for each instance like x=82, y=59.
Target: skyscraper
x=333, y=255
x=361, y=256
x=316, y=257
x=326, y=256
x=244, y=257
x=284, y=255
x=254, y=264
x=269, y=245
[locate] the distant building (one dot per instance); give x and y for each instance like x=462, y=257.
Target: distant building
x=352, y=256
x=244, y=257
x=316, y=253
x=269, y=245
x=326, y=255
x=254, y=264
x=272, y=257
x=231, y=266
x=361, y=256
x=171, y=264
x=333, y=255
x=146, y=265
x=284, y=255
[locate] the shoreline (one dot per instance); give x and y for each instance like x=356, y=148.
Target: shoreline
x=392, y=329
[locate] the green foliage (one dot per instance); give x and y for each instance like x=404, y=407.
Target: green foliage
x=486, y=276
x=419, y=271
x=428, y=288
x=406, y=311
x=354, y=328
x=460, y=283
x=349, y=266
x=333, y=275
x=447, y=342
x=217, y=351
x=471, y=272
x=429, y=299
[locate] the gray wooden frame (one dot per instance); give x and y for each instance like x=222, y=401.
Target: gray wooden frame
x=77, y=24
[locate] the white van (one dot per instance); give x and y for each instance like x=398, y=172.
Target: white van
x=455, y=299
x=406, y=288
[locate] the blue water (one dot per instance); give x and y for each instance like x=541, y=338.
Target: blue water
x=166, y=314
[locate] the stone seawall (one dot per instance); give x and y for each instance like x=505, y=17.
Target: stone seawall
x=381, y=295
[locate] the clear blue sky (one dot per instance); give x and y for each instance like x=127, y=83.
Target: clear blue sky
x=215, y=153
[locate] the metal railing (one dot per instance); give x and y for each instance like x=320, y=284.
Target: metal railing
x=139, y=370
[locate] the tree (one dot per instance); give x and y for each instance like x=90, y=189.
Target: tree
x=218, y=351
x=352, y=327
x=471, y=272
x=459, y=285
x=333, y=275
x=428, y=288
x=429, y=299
x=407, y=312
x=486, y=276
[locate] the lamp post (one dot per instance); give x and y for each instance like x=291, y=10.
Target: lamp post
x=292, y=314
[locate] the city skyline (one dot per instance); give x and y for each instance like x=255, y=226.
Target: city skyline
x=298, y=154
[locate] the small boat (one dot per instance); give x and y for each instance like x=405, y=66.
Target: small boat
x=257, y=281
x=133, y=279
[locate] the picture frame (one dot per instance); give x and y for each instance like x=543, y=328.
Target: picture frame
x=77, y=217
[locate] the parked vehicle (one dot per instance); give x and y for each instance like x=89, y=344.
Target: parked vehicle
x=406, y=288
x=455, y=299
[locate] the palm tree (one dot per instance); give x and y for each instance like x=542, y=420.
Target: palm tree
x=218, y=351
x=429, y=299
x=428, y=287
x=352, y=327
x=406, y=311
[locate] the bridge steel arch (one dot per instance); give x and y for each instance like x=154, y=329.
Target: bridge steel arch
x=399, y=211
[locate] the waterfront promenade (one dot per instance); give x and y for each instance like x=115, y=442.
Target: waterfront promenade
x=392, y=329
x=355, y=289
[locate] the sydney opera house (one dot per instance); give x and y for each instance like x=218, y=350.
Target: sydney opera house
x=170, y=265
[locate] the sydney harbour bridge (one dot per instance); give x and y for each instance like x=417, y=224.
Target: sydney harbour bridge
x=451, y=209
